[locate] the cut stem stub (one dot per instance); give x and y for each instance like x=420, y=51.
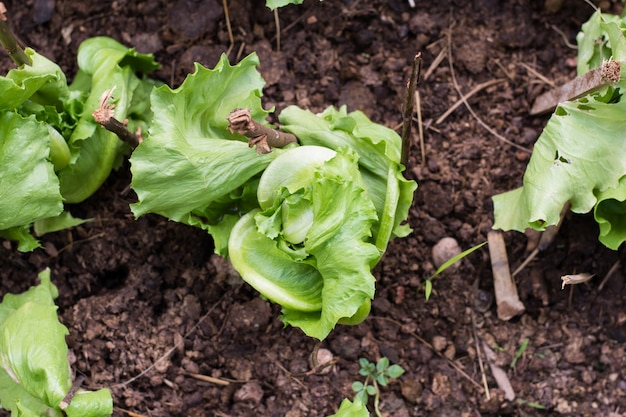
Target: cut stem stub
x=265, y=138
x=104, y=115
x=608, y=73
x=9, y=41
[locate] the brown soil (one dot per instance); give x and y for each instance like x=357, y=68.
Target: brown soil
x=149, y=295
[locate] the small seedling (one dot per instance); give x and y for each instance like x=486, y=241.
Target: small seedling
x=429, y=283
x=376, y=375
x=531, y=404
x=519, y=353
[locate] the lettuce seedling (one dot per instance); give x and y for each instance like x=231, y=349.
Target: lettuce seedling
x=579, y=157
x=304, y=224
x=51, y=150
x=35, y=377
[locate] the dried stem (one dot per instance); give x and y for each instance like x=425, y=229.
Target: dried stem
x=277, y=23
x=9, y=41
x=408, y=108
x=105, y=116
x=65, y=402
x=263, y=137
x=228, y=26
x=608, y=73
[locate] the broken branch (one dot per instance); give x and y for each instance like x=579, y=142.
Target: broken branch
x=263, y=137
x=507, y=299
x=408, y=108
x=608, y=73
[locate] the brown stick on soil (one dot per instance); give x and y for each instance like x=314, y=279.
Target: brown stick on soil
x=507, y=299
x=608, y=73
x=408, y=108
x=105, y=116
x=9, y=41
x=263, y=137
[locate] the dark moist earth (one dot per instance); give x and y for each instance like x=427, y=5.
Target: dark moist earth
x=149, y=306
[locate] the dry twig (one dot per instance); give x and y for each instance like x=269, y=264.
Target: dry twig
x=408, y=109
x=608, y=275
x=228, y=27
x=507, y=299
x=210, y=379
x=469, y=108
x=467, y=96
x=65, y=402
x=130, y=413
x=479, y=356
x=537, y=74
x=420, y=125
x=438, y=60
x=277, y=23
x=546, y=239
x=452, y=363
x=176, y=346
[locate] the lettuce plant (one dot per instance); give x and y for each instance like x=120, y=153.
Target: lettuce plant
x=35, y=376
x=579, y=157
x=51, y=150
x=305, y=224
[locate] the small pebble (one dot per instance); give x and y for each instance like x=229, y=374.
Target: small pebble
x=439, y=343
x=322, y=362
x=249, y=392
x=444, y=250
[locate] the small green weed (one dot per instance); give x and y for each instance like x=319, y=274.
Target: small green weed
x=376, y=375
x=519, y=353
x=428, y=284
x=531, y=404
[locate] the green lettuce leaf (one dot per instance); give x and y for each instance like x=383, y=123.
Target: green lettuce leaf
x=40, y=114
x=610, y=213
x=103, y=64
x=579, y=157
x=22, y=234
x=325, y=276
x=34, y=372
x=379, y=150
x=29, y=188
x=192, y=169
x=352, y=409
x=63, y=221
x=42, y=82
x=273, y=4
x=90, y=404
